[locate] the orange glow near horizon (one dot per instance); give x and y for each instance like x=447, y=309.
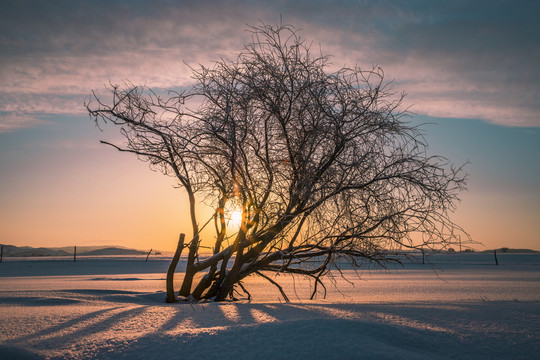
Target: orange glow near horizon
x=95, y=196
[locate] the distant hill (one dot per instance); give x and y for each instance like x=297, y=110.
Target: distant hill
x=114, y=251
x=505, y=250
x=27, y=251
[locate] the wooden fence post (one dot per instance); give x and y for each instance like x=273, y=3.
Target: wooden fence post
x=172, y=267
x=74, y=254
x=495, y=254
x=2, y=253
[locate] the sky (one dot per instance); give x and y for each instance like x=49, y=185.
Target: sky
x=469, y=69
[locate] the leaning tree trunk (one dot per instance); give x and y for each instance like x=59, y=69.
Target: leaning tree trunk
x=172, y=267
x=185, y=289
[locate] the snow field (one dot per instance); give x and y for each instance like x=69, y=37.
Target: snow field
x=467, y=311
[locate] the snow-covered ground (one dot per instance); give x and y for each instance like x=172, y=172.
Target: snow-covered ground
x=111, y=308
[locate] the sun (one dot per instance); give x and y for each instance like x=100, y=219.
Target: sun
x=235, y=218
x=233, y=214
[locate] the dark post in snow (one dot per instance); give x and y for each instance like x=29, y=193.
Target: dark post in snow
x=74, y=254
x=495, y=254
x=2, y=253
x=148, y=254
x=172, y=267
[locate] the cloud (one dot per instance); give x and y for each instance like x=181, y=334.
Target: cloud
x=52, y=55
x=454, y=59
x=11, y=121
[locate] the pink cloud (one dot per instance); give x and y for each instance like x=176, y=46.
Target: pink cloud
x=14, y=121
x=441, y=71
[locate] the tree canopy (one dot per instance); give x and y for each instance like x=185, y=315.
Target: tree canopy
x=321, y=163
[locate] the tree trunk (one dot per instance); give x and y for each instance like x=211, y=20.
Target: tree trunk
x=204, y=283
x=185, y=289
x=172, y=267
x=230, y=279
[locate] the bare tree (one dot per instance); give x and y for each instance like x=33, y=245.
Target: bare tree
x=320, y=163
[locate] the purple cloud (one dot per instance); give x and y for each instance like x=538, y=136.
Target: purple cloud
x=453, y=59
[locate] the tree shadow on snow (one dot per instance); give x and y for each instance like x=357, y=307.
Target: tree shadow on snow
x=291, y=330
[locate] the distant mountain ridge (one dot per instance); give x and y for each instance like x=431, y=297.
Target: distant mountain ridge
x=506, y=250
x=111, y=250
x=27, y=251
x=114, y=251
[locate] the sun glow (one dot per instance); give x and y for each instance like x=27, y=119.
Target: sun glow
x=235, y=218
